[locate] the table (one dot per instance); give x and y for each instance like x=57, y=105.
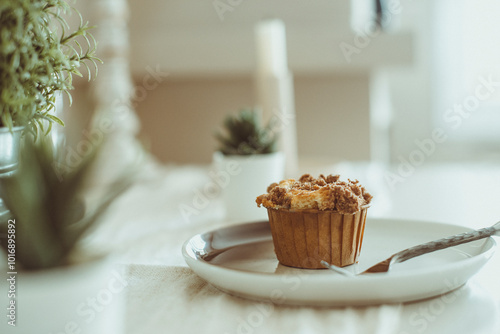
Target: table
x=146, y=230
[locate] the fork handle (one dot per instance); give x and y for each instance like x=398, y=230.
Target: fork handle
x=450, y=241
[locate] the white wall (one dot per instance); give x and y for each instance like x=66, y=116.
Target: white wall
x=210, y=62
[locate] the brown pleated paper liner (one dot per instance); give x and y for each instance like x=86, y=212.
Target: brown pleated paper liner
x=303, y=238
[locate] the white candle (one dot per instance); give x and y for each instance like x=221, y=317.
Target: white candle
x=274, y=87
x=271, y=47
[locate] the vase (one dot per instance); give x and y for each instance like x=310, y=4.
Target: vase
x=9, y=153
x=244, y=177
x=85, y=298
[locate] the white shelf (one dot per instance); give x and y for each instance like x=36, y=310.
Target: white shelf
x=219, y=51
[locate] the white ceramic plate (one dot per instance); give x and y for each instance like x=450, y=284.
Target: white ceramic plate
x=240, y=260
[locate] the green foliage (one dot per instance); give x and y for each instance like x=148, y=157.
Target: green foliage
x=245, y=135
x=49, y=212
x=38, y=57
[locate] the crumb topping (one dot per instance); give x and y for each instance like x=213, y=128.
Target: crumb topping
x=322, y=193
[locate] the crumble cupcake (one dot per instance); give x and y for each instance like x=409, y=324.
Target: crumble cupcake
x=316, y=219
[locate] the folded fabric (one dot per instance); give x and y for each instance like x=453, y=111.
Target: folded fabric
x=175, y=300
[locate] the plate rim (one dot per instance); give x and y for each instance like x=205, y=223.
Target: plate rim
x=489, y=252
x=479, y=259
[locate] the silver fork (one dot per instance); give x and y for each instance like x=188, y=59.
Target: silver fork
x=428, y=247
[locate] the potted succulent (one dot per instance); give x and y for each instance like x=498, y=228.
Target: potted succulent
x=51, y=276
x=39, y=54
x=248, y=159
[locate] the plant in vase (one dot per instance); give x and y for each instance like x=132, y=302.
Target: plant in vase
x=39, y=54
x=38, y=58
x=43, y=241
x=247, y=155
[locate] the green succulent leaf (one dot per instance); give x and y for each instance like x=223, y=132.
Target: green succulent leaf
x=51, y=216
x=244, y=135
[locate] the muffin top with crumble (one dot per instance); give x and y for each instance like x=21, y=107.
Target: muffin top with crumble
x=322, y=193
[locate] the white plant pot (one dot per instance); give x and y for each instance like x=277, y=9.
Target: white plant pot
x=83, y=298
x=247, y=177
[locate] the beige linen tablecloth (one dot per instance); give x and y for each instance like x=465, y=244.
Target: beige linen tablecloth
x=176, y=300
x=171, y=299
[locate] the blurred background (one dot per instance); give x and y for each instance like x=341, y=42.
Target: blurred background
x=360, y=95
x=402, y=95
